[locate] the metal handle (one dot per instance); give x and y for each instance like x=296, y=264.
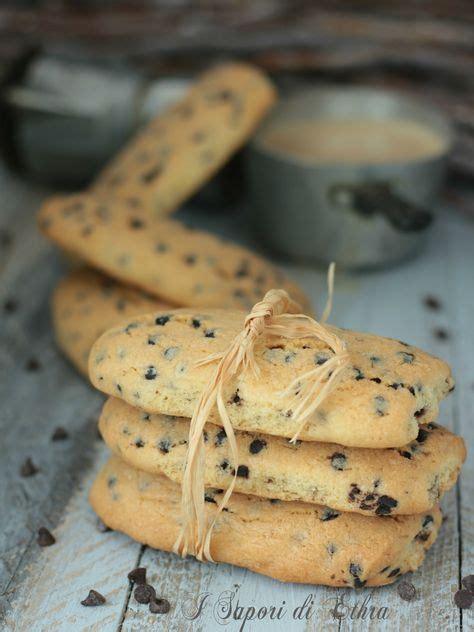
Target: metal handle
x=379, y=198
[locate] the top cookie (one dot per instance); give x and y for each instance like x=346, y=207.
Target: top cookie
x=180, y=149
x=390, y=388
x=179, y=265
x=87, y=303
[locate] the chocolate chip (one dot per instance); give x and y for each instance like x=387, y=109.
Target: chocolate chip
x=432, y=302
x=243, y=270
x=328, y=514
x=412, y=390
x=355, y=570
x=139, y=443
x=162, y=320
x=236, y=399
x=94, y=598
x=354, y=492
x=10, y=306
x=257, y=446
x=426, y=521
x=321, y=358
x=136, y=223
x=338, y=461
x=224, y=464
x=144, y=593
x=242, y=471
x=151, y=340
x=161, y=248
x=209, y=333
x=138, y=575
x=28, y=468
x=380, y=405
x=151, y=373
x=463, y=599
x=220, y=438
x=33, y=365
x=396, y=385
x=419, y=413
x=196, y=323
x=406, y=590
x=331, y=549
x=45, y=537
x=164, y=446
x=407, y=358
x=190, y=260
x=102, y=527
x=151, y=174
x=406, y=454
x=59, y=434
x=374, y=360
x=358, y=374
x=396, y=571
x=170, y=352
x=159, y=606
x=422, y=435
x=209, y=499
x=441, y=334
x=468, y=583
x=385, y=504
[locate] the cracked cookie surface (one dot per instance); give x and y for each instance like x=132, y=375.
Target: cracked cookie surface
x=381, y=400
x=264, y=536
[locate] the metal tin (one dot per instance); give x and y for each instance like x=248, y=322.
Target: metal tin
x=359, y=215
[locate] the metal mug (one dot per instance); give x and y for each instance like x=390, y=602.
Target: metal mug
x=359, y=215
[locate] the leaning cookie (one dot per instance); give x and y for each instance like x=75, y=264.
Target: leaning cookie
x=177, y=264
x=180, y=149
x=292, y=541
x=87, y=303
x=389, y=388
x=406, y=480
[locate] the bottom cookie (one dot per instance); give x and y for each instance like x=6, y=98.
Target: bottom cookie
x=289, y=541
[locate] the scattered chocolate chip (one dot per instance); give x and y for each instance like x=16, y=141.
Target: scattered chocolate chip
x=432, y=302
x=59, y=434
x=338, y=461
x=385, y=504
x=329, y=514
x=144, y=593
x=151, y=373
x=221, y=436
x=10, y=306
x=422, y=435
x=441, y=334
x=162, y=320
x=468, y=583
x=33, y=365
x=45, y=537
x=94, y=598
x=257, y=446
x=138, y=575
x=102, y=527
x=159, y=606
x=28, y=468
x=406, y=590
x=463, y=599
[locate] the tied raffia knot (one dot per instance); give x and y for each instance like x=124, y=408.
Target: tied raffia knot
x=275, y=315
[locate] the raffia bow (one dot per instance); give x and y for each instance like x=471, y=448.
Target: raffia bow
x=275, y=315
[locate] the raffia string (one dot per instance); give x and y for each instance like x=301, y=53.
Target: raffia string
x=275, y=315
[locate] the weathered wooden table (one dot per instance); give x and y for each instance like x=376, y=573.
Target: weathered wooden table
x=42, y=587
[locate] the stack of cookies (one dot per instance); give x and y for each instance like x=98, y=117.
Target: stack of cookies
x=352, y=502
x=119, y=227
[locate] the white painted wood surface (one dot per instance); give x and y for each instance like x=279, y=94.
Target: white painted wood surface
x=42, y=588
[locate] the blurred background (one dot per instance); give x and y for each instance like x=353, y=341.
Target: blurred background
x=58, y=60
